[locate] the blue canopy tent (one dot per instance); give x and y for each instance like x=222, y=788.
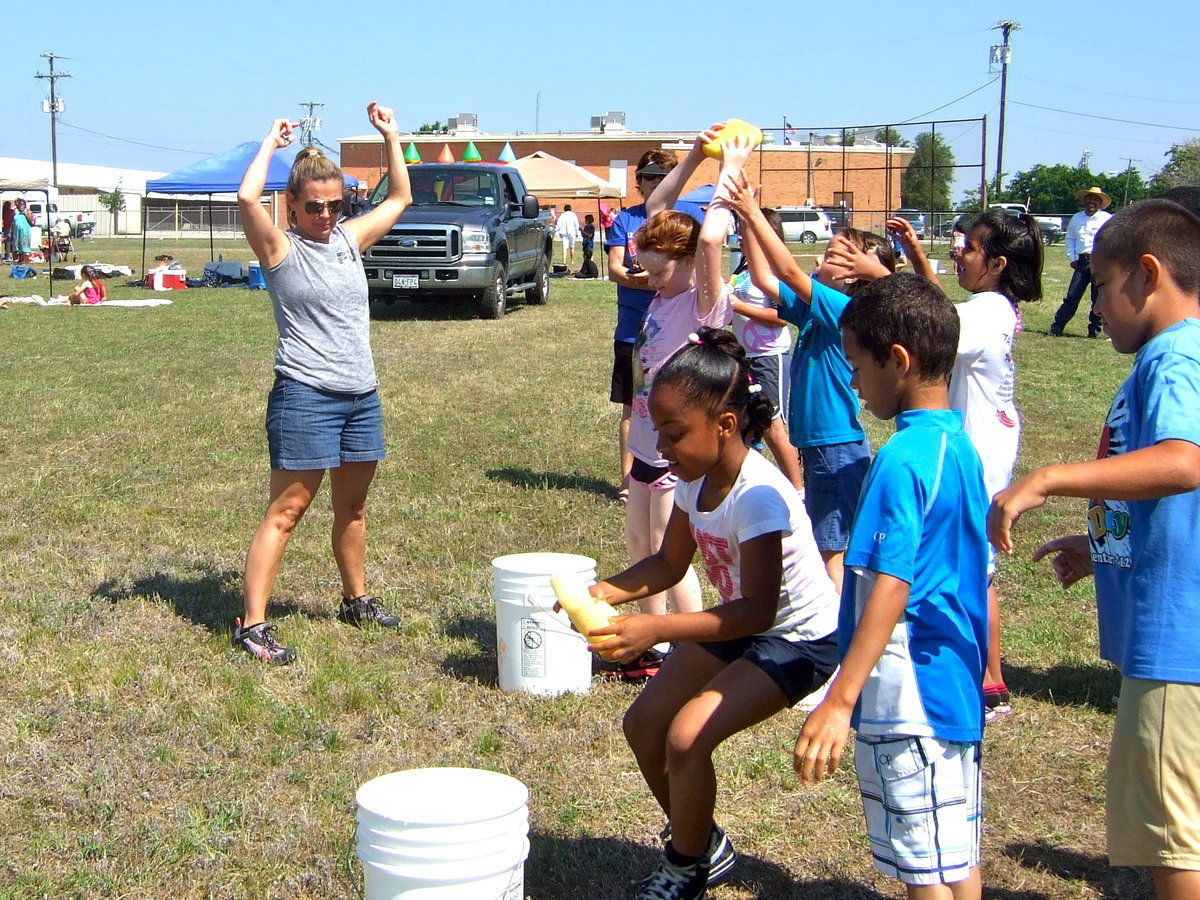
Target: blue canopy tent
x=222, y=174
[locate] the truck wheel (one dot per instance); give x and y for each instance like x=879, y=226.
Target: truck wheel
x=494, y=301
x=1046, y=239
x=540, y=293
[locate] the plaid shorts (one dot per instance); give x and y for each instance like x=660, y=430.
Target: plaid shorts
x=923, y=801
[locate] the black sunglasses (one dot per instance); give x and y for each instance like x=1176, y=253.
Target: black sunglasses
x=316, y=207
x=651, y=177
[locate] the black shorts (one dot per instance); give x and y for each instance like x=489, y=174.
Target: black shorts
x=797, y=667
x=622, y=373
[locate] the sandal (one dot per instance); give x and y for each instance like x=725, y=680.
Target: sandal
x=622, y=497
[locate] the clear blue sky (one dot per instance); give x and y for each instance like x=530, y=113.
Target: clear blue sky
x=156, y=88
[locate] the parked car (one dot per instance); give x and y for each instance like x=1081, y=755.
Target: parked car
x=806, y=224
x=1050, y=226
x=839, y=216
x=915, y=217
x=473, y=232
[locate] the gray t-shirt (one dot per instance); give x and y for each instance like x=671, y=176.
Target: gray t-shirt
x=319, y=293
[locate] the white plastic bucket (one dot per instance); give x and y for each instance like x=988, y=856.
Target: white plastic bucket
x=443, y=834
x=537, y=650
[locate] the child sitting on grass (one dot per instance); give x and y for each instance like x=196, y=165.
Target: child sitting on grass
x=913, y=625
x=1143, y=524
x=767, y=645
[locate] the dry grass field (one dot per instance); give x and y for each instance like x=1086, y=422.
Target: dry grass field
x=142, y=757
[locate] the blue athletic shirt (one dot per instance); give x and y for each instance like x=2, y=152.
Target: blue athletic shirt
x=823, y=409
x=632, y=303
x=921, y=519
x=1144, y=551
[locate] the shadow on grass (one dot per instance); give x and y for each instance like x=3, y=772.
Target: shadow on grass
x=597, y=868
x=1092, y=869
x=206, y=597
x=1094, y=685
x=445, y=310
x=527, y=478
x=477, y=661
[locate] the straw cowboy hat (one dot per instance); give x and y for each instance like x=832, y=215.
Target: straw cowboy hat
x=1105, y=200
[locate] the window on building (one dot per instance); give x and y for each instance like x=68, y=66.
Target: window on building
x=618, y=175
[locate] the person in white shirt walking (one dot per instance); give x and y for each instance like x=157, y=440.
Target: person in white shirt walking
x=1081, y=232
x=568, y=231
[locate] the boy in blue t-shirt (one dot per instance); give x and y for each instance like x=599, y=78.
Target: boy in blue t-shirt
x=1143, y=522
x=913, y=626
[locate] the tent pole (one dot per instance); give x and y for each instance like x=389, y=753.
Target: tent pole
x=211, y=251
x=144, y=198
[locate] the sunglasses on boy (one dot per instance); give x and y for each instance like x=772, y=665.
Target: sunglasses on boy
x=316, y=207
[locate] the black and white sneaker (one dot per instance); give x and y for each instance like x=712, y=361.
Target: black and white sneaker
x=671, y=882
x=259, y=641
x=720, y=854
x=366, y=610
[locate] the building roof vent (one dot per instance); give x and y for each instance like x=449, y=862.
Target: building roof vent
x=463, y=122
x=609, y=122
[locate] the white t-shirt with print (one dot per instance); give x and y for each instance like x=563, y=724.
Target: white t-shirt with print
x=983, y=382
x=762, y=500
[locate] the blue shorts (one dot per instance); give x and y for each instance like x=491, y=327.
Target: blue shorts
x=833, y=479
x=797, y=667
x=308, y=428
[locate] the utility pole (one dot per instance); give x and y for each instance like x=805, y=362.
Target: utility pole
x=54, y=106
x=1007, y=27
x=309, y=123
x=1129, y=161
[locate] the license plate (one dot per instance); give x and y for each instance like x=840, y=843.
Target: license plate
x=406, y=282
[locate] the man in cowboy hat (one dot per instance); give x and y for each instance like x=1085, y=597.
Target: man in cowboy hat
x=1081, y=233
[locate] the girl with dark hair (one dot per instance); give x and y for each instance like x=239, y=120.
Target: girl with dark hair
x=90, y=291
x=771, y=640
x=323, y=411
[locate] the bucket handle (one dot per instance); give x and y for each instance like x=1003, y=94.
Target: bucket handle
x=561, y=619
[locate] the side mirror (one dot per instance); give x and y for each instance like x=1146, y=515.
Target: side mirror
x=529, y=207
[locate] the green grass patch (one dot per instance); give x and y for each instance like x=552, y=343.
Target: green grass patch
x=144, y=757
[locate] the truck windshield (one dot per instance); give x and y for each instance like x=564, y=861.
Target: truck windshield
x=432, y=186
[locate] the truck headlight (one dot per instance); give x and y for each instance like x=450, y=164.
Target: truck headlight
x=476, y=241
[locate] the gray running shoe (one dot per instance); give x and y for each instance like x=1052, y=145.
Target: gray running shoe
x=366, y=609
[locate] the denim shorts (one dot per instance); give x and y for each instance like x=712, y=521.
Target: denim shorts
x=308, y=428
x=833, y=479
x=797, y=667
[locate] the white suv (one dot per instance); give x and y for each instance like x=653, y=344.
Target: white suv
x=806, y=224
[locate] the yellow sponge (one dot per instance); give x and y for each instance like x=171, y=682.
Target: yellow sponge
x=731, y=129
x=586, y=611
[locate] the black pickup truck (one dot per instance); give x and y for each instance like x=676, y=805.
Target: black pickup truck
x=473, y=232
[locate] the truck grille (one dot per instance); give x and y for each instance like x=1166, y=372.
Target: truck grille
x=407, y=244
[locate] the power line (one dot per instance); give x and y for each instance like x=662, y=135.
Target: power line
x=1071, y=112
x=1076, y=87
x=113, y=137
x=951, y=103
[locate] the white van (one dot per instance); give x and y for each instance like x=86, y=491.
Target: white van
x=806, y=224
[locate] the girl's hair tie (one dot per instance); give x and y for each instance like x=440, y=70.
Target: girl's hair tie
x=755, y=388
x=694, y=338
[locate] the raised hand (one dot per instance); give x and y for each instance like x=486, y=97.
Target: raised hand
x=905, y=234
x=282, y=133
x=735, y=189
x=383, y=118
